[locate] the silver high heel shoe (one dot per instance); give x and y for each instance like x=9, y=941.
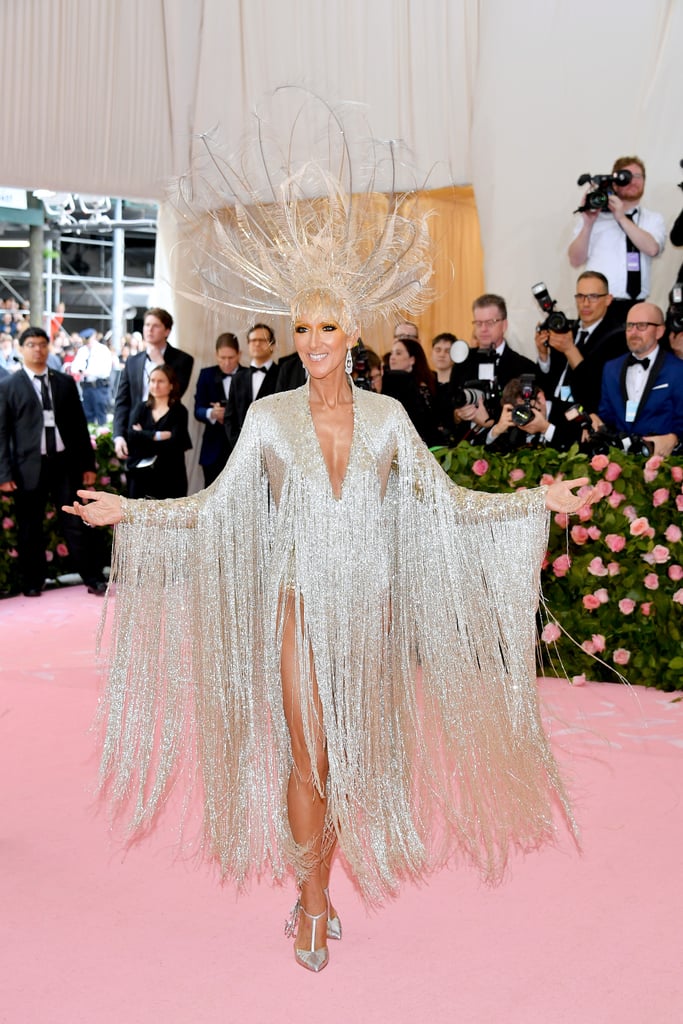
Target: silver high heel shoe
x=334, y=927
x=312, y=959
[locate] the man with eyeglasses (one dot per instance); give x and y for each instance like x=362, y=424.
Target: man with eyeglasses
x=571, y=363
x=622, y=241
x=46, y=455
x=642, y=393
x=492, y=362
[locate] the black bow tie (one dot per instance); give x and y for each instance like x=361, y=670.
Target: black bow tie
x=224, y=375
x=258, y=369
x=633, y=361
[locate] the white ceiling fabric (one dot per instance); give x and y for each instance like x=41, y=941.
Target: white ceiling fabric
x=107, y=96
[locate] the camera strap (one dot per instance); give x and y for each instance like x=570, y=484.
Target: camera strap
x=633, y=277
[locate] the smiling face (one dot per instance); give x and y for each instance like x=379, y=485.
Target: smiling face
x=321, y=344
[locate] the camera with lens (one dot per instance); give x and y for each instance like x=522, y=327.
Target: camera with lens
x=523, y=413
x=597, y=199
x=674, y=314
x=601, y=440
x=361, y=367
x=555, y=320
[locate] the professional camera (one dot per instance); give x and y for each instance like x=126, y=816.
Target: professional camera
x=597, y=199
x=555, y=320
x=361, y=367
x=577, y=415
x=600, y=441
x=674, y=314
x=524, y=413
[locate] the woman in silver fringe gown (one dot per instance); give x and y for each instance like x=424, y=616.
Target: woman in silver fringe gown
x=286, y=609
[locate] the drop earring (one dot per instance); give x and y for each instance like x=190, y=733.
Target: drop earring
x=348, y=365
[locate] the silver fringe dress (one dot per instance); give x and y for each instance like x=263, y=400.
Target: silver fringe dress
x=403, y=569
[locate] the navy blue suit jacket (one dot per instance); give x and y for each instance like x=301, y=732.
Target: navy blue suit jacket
x=210, y=390
x=661, y=408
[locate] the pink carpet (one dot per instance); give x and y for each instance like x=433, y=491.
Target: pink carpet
x=89, y=935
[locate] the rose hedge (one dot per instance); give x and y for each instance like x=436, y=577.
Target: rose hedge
x=613, y=574
x=108, y=478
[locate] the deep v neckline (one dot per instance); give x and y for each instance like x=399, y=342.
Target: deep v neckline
x=337, y=497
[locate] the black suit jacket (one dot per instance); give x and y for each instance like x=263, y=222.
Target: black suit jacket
x=209, y=391
x=131, y=384
x=240, y=400
x=607, y=341
x=290, y=373
x=21, y=428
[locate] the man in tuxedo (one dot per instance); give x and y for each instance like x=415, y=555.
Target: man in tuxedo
x=642, y=393
x=571, y=363
x=46, y=454
x=490, y=364
x=214, y=385
x=258, y=383
x=134, y=383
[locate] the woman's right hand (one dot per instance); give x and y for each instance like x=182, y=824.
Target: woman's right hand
x=98, y=508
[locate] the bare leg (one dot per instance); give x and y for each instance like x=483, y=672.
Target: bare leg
x=306, y=806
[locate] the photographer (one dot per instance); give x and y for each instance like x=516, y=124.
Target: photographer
x=642, y=393
x=491, y=363
x=622, y=240
x=528, y=419
x=571, y=362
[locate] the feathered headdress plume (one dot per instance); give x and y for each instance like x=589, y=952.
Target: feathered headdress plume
x=295, y=230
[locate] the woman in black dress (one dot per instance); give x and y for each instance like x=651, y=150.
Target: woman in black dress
x=158, y=440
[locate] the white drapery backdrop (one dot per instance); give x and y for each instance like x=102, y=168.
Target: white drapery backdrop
x=517, y=99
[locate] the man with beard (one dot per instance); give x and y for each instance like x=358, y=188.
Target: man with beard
x=621, y=241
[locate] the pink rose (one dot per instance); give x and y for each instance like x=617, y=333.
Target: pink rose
x=561, y=518
x=621, y=656
x=7, y=523
x=613, y=568
x=675, y=572
x=649, y=558
x=639, y=526
x=660, y=496
x=604, y=488
x=615, y=499
x=673, y=534
x=585, y=513
x=602, y=595
x=480, y=467
x=613, y=471
x=599, y=642
x=547, y=480
x=579, y=534
x=114, y=463
x=551, y=633
x=104, y=480
x=49, y=556
x=651, y=581
x=660, y=554
x=562, y=565
x=579, y=680
x=13, y=554
x=626, y=605
x=62, y=550
x=546, y=561
x=588, y=646
x=590, y=602
x=596, y=567
x=646, y=607
x=594, y=532
x=654, y=462
x=678, y=596
x=677, y=474
x=516, y=474
x=599, y=462
x=616, y=542
x=679, y=502
x=629, y=512
x=50, y=514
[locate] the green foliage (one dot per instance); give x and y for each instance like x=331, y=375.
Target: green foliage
x=613, y=574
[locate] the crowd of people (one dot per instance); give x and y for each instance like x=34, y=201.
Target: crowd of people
x=613, y=375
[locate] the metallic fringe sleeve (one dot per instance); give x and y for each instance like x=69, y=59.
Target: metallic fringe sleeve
x=415, y=604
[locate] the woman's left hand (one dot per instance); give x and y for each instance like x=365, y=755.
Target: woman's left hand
x=560, y=496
